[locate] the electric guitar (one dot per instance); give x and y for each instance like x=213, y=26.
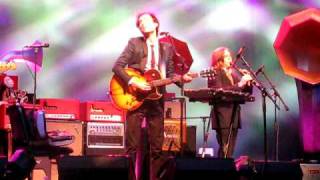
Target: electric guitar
x=129, y=98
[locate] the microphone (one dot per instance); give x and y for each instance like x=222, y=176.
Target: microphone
x=240, y=52
x=38, y=45
x=260, y=69
x=164, y=33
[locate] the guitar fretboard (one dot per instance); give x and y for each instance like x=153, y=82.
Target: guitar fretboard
x=176, y=78
x=162, y=82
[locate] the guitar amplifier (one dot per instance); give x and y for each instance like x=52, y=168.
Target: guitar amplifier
x=172, y=130
x=100, y=111
x=172, y=108
x=172, y=135
x=64, y=109
x=105, y=138
x=74, y=127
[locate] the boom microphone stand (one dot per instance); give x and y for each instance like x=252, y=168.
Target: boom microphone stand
x=276, y=125
x=37, y=48
x=264, y=94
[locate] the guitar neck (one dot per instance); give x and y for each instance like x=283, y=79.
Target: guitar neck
x=176, y=78
x=162, y=82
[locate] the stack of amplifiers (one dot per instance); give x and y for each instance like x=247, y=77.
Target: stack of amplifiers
x=64, y=115
x=105, y=128
x=172, y=124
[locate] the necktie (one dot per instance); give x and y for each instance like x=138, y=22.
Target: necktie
x=153, y=60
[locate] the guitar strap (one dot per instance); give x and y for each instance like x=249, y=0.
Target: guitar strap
x=162, y=63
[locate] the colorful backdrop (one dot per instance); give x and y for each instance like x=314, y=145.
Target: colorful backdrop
x=86, y=37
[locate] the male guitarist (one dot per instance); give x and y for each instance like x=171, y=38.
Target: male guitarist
x=145, y=53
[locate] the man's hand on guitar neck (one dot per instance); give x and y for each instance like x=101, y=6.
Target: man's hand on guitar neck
x=187, y=78
x=136, y=83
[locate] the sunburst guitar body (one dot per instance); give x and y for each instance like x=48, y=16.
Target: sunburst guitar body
x=128, y=98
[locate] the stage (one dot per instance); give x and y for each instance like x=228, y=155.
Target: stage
x=103, y=167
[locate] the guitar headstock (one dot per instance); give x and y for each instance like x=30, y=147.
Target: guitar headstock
x=209, y=73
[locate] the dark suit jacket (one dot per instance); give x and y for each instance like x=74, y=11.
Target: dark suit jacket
x=222, y=111
x=135, y=56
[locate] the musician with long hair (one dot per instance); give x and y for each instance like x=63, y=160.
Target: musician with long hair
x=224, y=113
x=146, y=53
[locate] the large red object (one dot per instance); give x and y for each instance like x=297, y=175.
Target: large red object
x=298, y=48
x=63, y=109
x=4, y=118
x=182, y=59
x=297, y=45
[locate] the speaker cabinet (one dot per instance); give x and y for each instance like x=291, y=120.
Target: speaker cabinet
x=172, y=125
x=76, y=128
x=93, y=167
x=105, y=138
x=190, y=149
x=205, y=168
x=257, y=170
x=310, y=171
x=3, y=163
x=172, y=136
x=274, y=170
x=172, y=109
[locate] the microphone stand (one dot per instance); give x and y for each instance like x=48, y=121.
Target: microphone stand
x=36, y=50
x=35, y=61
x=264, y=94
x=182, y=66
x=37, y=47
x=276, y=125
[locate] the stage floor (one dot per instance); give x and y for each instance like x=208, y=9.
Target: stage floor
x=100, y=167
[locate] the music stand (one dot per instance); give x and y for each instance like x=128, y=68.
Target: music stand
x=182, y=58
x=182, y=62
